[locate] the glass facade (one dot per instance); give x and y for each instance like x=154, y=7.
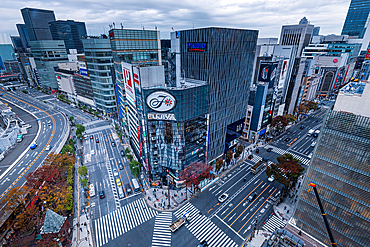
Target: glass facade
x=224, y=59
x=340, y=167
x=37, y=23
x=72, y=32
x=83, y=86
x=99, y=61
x=357, y=19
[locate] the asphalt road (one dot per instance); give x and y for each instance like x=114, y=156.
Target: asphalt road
x=53, y=129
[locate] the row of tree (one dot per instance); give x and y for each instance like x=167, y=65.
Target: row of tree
x=135, y=166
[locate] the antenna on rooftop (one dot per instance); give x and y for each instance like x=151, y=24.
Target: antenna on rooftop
x=121, y=26
x=114, y=25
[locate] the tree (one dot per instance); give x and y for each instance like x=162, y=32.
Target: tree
x=229, y=156
x=25, y=91
x=82, y=170
x=290, y=118
x=287, y=170
x=70, y=118
x=301, y=109
x=219, y=165
x=135, y=168
x=194, y=173
x=129, y=157
x=238, y=150
x=84, y=182
x=68, y=149
x=80, y=129
x=311, y=105
x=127, y=151
x=278, y=125
x=14, y=198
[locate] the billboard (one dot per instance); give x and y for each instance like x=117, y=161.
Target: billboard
x=267, y=72
x=135, y=70
x=283, y=73
x=128, y=81
x=161, y=101
x=367, y=54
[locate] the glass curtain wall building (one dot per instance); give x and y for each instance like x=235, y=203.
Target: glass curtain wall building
x=357, y=19
x=340, y=167
x=223, y=58
x=72, y=32
x=99, y=61
x=37, y=23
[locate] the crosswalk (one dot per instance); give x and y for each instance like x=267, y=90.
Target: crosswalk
x=274, y=223
x=280, y=151
x=162, y=231
x=118, y=222
x=203, y=228
x=257, y=158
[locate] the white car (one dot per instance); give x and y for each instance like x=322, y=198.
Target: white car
x=310, y=155
x=48, y=147
x=223, y=197
x=115, y=173
x=92, y=152
x=313, y=144
x=271, y=179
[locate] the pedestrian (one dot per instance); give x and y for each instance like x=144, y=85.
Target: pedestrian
x=88, y=232
x=81, y=229
x=287, y=212
x=285, y=208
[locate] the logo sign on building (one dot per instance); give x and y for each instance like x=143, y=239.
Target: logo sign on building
x=367, y=54
x=197, y=47
x=283, y=72
x=129, y=82
x=161, y=101
x=136, y=77
x=161, y=116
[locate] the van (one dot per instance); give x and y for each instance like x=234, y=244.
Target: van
x=92, y=190
x=120, y=192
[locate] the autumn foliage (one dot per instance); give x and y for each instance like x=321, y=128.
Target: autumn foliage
x=194, y=173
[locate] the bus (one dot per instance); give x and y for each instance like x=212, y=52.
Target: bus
x=135, y=184
x=257, y=167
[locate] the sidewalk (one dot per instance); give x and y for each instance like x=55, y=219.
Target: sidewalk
x=82, y=232
x=157, y=198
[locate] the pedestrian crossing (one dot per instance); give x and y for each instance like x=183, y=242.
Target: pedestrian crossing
x=280, y=151
x=162, y=231
x=257, y=158
x=203, y=228
x=273, y=224
x=122, y=220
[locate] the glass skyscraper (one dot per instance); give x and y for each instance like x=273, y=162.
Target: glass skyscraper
x=72, y=32
x=357, y=19
x=37, y=23
x=340, y=167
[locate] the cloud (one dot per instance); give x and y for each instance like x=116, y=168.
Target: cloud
x=267, y=16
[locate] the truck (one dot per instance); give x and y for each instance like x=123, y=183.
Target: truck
x=310, y=132
x=19, y=138
x=179, y=222
x=257, y=167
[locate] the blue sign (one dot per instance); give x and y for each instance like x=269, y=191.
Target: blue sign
x=197, y=47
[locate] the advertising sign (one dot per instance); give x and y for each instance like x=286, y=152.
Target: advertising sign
x=197, y=47
x=128, y=80
x=283, y=72
x=367, y=54
x=161, y=116
x=161, y=101
x=136, y=77
x=267, y=72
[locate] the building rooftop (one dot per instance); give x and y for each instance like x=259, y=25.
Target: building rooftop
x=353, y=88
x=53, y=222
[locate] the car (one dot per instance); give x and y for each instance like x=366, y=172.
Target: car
x=313, y=144
x=91, y=137
x=101, y=194
x=269, y=150
x=128, y=189
x=271, y=179
x=33, y=145
x=86, y=137
x=310, y=155
x=118, y=182
x=92, y=152
x=97, y=140
x=287, y=139
x=115, y=172
x=49, y=123
x=264, y=159
x=301, y=127
x=48, y=147
x=252, y=196
x=315, y=135
x=223, y=197
x=257, y=151
x=113, y=144
x=250, y=157
x=203, y=244
x=122, y=153
x=120, y=166
x=317, y=120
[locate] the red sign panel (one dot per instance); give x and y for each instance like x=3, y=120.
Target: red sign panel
x=367, y=54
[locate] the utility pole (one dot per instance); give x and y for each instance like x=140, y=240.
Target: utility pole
x=333, y=243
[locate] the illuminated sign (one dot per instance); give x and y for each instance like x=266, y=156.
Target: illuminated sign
x=197, y=47
x=128, y=81
x=161, y=101
x=161, y=116
x=367, y=54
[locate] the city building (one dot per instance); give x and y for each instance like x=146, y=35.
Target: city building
x=23, y=34
x=47, y=54
x=37, y=24
x=357, y=19
x=99, y=62
x=72, y=32
x=12, y=67
x=340, y=169
x=137, y=47
x=6, y=53
x=223, y=58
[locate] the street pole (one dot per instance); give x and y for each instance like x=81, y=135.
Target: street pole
x=168, y=183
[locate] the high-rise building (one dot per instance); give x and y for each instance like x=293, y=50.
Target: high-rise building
x=99, y=62
x=37, y=23
x=357, y=19
x=23, y=34
x=47, y=54
x=72, y=32
x=340, y=167
x=223, y=58
x=137, y=47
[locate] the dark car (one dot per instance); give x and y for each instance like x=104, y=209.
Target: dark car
x=257, y=151
x=122, y=153
x=91, y=137
x=315, y=135
x=203, y=244
x=302, y=127
x=97, y=140
x=120, y=166
x=250, y=157
x=252, y=196
x=128, y=189
x=101, y=194
x=317, y=120
x=113, y=144
x=264, y=159
x=269, y=150
x=287, y=139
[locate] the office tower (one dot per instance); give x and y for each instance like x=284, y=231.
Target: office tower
x=357, y=19
x=47, y=54
x=340, y=169
x=37, y=23
x=137, y=47
x=222, y=57
x=99, y=61
x=22, y=31
x=72, y=32
x=6, y=53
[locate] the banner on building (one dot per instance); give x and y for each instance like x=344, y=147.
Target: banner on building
x=367, y=54
x=267, y=72
x=283, y=72
x=129, y=82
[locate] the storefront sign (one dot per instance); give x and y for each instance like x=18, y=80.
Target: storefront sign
x=197, y=47
x=161, y=116
x=161, y=101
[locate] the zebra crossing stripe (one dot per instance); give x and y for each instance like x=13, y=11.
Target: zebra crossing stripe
x=162, y=232
x=305, y=161
x=273, y=223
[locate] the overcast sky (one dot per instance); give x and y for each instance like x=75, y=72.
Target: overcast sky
x=267, y=16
